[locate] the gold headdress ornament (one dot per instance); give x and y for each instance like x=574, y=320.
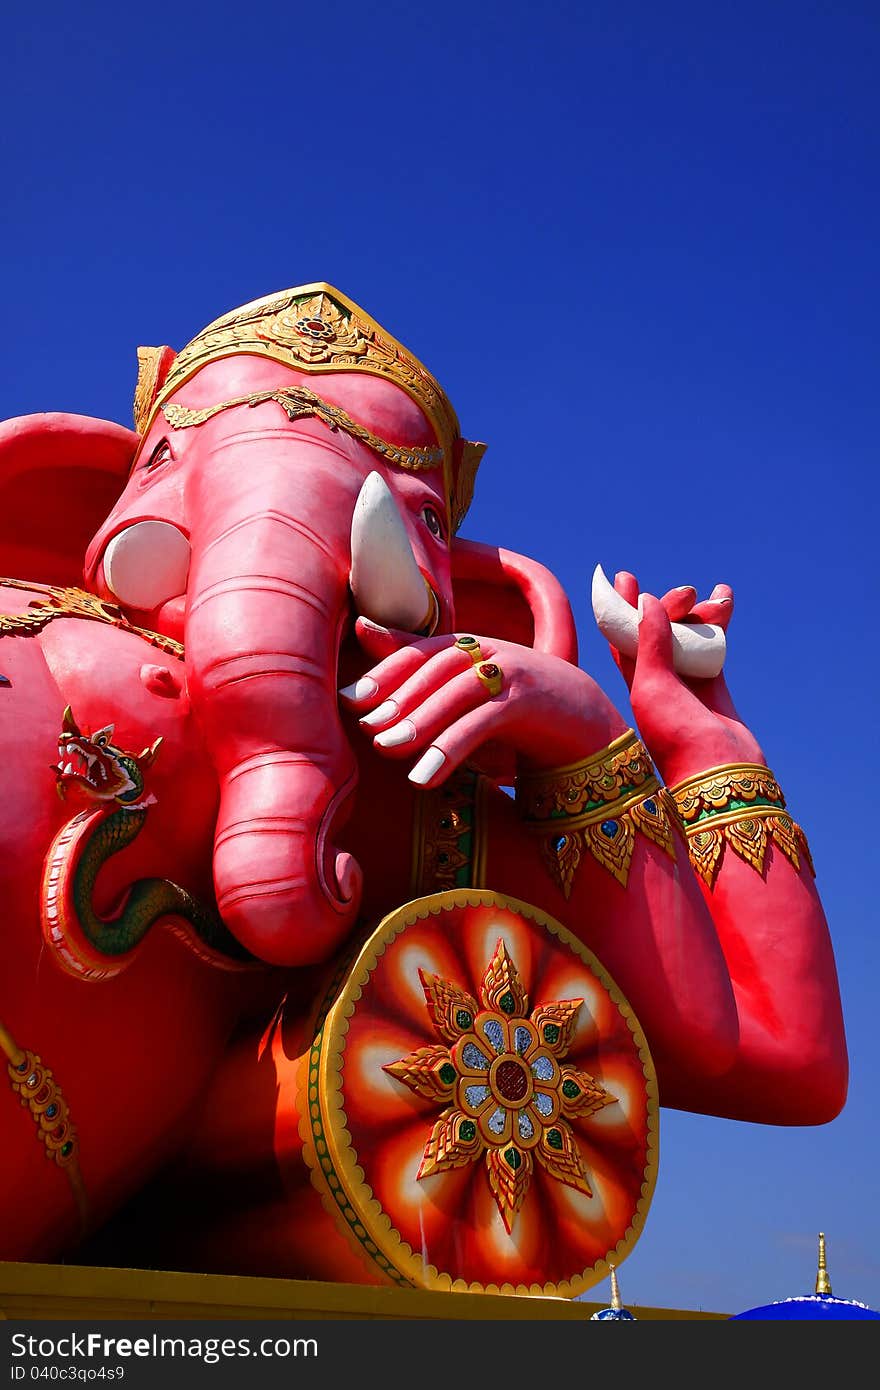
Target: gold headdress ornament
x=315, y=328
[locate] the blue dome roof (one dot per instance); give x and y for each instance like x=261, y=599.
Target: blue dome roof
x=819, y=1306
x=814, y=1305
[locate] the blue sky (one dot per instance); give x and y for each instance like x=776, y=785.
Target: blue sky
x=637, y=245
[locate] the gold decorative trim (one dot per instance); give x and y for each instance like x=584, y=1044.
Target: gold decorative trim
x=740, y=805
x=748, y=833
x=650, y=818
x=729, y=787
x=470, y=455
x=610, y=838
x=35, y=1085
x=315, y=328
x=153, y=365
x=298, y=402
x=480, y=834
x=73, y=603
x=609, y=780
x=335, y=1171
x=449, y=835
x=598, y=805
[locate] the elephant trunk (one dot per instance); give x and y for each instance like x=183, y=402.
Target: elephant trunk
x=261, y=652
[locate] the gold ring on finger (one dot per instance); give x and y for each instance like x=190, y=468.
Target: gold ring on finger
x=490, y=675
x=471, y=646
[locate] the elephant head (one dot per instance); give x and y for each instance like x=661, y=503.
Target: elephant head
x=292, y=466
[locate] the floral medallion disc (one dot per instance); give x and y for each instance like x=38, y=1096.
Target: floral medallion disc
x=481, y=1106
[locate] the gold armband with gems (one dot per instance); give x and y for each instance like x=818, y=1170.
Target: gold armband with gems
x=596, y=805
x=740, y=805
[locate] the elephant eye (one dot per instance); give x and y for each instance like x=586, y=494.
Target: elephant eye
x=432, y=520
x=161, y=454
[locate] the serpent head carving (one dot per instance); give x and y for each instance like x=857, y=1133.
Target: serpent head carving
x=93, y=768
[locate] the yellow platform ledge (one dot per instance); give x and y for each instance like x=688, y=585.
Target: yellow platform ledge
x=86, y=1292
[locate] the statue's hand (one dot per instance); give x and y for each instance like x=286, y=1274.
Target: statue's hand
x=425, y=696
x=686, y=724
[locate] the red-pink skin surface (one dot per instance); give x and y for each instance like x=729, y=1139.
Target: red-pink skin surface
x=271, y=793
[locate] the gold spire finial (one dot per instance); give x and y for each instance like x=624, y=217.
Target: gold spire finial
x=615, y=1291
x=823, y=1283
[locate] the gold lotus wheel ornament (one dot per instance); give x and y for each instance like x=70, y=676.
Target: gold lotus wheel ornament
x=478, y=1104
x=500, y=1074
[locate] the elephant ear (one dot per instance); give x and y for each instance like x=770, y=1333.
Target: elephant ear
x=502, y=594
x=499, y=593
x=59, y=477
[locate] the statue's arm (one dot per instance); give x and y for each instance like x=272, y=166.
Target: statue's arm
x=641, y=913
x=751, y=863
x=733, y=979
x=637, y=907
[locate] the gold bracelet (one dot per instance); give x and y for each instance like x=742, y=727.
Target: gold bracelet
x=741, y=805
x=598, y=805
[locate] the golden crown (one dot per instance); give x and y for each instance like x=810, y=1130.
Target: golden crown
x=315, y=328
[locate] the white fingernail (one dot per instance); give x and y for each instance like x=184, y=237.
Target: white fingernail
x=381, y=714
x=430, y=763
x=640, y=608
x=404, y=732
x=361, y=690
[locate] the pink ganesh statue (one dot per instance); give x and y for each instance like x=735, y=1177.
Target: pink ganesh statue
x=291, y=984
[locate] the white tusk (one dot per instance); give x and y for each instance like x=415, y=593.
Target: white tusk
x=698, y=649
x=386, y=583
x=147, y=564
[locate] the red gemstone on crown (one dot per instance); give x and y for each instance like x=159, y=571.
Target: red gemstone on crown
x=314, y=328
